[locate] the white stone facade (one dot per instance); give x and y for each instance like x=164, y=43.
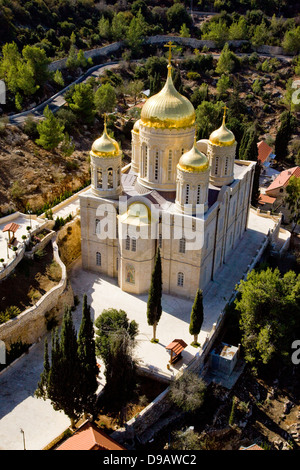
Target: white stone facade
x=121, y=249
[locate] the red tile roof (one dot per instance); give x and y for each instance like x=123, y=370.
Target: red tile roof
x=177, y=346
x=12, y=227
x=89, y=437
x=282, y=179
x=264, y=151
x=264, y=199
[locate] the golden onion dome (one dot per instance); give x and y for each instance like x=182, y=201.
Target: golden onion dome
x=222, y=136
x=168, y=109
x=105, y=146
x=193, y=161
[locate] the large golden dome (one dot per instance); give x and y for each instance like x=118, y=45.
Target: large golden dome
x=193, y=161
x=168, y=109
x=222, y=136
x=105, y=146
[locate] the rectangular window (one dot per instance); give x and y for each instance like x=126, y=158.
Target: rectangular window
x=98, y=258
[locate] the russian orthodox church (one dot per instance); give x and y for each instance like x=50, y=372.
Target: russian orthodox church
x=189, y=198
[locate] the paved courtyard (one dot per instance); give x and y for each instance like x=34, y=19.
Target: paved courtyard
x=41, y=424
x=23, y=221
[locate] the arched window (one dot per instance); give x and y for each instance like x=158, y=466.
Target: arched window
x=145, y=158
x=133, y=244
x=170, y=161
x=119, y=176
x=226, y=166
x=99, y=178
x=130, y=274
x=180, y=279
x=98, y=258
x=160, y=240
x=97, y=226
x=198, y=193
x=182, y=245
x=127, y=243
x=216, y=165
x=187, y=193
x=156, y=165
x=110, y=180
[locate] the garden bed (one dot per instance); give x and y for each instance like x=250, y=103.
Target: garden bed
x=31, y=279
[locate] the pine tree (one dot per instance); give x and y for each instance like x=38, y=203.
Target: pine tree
x=154, y=309
x=87, y=359
x=105, y=99
x=81, y=102
x=50, y=131
x=196, y=317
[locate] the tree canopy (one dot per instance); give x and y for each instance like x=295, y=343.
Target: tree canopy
x=269, y=306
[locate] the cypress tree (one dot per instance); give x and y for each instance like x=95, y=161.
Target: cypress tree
x=59, y=382
x=249, y=151
x=154, y=308
x=283, y=135
x=196, y=316
x=87, y=360
x=69, y=366
x=41, y=390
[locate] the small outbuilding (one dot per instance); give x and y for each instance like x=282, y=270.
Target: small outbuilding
x=223, y=358
x=11, y=229
x=175, y=349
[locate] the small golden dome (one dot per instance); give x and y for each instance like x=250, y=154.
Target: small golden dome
x=222, y=136
x=193, y=161
x=168, y=109
x=136, y=126
x=105, y=146
x=137, y=214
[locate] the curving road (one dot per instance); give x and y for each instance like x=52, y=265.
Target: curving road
x=57, y=100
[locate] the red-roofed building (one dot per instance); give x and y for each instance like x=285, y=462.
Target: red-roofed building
x=265, y=154
x=277, y=186
x=89, y=437
x=277, y=190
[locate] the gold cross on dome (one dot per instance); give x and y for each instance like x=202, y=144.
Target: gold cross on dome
x=105, y=120
x=170, y=45
x=225, y=109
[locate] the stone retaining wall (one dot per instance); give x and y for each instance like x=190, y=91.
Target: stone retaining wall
x=31, y=325
x=106, y=51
